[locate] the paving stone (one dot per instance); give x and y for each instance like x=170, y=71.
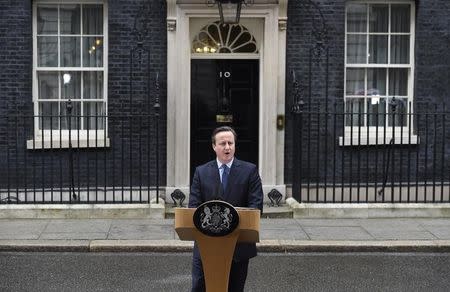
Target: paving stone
x=78, y=226
x=277, y=223
x=398, y=229
x=22, y=229
x=75, y=235
x=441, y=232
x=153, y=222
x=337, y=233
x=434, y=222
x=281, y=233
x=399, y=234
x=386, y=222
x=329, y=222
x=141, y=231
x=28, y=235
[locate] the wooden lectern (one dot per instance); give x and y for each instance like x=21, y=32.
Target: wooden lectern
x=217, y=252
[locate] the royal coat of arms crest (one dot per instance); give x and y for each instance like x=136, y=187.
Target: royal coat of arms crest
x=216, y=218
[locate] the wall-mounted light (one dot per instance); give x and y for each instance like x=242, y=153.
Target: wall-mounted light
x=229, y=10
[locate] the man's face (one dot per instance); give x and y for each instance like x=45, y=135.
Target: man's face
x=224, y=146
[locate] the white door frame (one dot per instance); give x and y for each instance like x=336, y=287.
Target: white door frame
x=271, y=96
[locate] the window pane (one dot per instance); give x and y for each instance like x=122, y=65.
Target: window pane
x=47, y=51
x=376, y=81
x=93, y=85
x=400, y=18
x=94, y=115
x=48, y=115
x=376, y=108
x=234, y=31
x=75, y=121
x=47, y=19
x=204, y=38
x=354, y=109
x=378, y=49
x=355, y=82
x=71, y=85
x=47, y=85
x=379, y=18
x=400, y=49
x=356, y=49
x=247, y=48
x=93, y=19
x=92, y=52
x=400, y=113
x=70, y=52
x=214, y=33
x=70, y=19
x=357, y=18
x=398, y=82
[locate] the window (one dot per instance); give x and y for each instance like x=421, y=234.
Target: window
x=69, y=63
x=379, y=64
x=224, y=38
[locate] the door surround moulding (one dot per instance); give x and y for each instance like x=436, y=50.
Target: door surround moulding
x=272, y=90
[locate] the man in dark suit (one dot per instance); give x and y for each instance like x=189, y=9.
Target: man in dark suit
x=236, y=182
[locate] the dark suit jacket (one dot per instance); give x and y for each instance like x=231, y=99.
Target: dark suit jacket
x=244, y=190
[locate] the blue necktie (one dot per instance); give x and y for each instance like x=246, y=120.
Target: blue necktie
x=225, y=173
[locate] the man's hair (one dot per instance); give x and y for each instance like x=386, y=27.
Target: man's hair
x=222, y=129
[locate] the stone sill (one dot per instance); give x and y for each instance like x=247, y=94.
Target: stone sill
x=372, y=140
x=64, y=144
x=83, y=211
x=368, y=210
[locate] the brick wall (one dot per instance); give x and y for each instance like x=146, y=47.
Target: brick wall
x=302, y=19
x=122, y=17
x=133, y=141
x=432, y=73
x=431, y=85
x=15, y=54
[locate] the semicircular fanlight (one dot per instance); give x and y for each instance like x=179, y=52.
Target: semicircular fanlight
x=224, y=38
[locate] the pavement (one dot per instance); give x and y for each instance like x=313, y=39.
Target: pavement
x=282, y=235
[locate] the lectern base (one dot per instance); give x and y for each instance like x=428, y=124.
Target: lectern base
x=216, y=254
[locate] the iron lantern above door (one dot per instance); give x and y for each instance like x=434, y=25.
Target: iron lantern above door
x=229, y=10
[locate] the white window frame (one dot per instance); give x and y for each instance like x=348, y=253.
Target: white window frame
x=44, y=139
x=379, y=135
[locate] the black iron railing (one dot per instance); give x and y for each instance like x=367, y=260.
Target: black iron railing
x=335, y=159
x=343, y=156
x=112, y=159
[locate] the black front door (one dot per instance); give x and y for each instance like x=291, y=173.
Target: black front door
x=224, y=92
